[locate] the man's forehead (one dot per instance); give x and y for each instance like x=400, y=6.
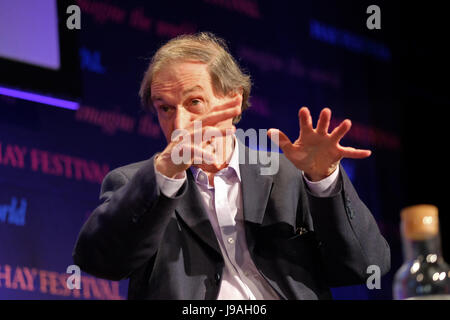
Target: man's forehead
x=180, y=78
x=156, y=94
x=178, y=71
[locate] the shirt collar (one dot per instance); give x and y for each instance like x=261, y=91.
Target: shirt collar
x=234, y=161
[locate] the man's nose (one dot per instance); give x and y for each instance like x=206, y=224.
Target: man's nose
x=182, y=118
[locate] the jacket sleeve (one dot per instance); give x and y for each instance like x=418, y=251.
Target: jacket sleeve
x=348, y=236
x=125, y=230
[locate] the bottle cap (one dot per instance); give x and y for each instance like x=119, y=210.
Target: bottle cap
x=420, y=222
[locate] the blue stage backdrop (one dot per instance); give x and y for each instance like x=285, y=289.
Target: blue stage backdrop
x=309, y=53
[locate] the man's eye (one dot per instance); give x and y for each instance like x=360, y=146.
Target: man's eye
x=164, y=108
x=195, y=102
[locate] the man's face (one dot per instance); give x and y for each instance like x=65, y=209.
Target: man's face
x=181, y=93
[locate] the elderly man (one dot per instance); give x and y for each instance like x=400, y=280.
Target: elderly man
x=214, y=227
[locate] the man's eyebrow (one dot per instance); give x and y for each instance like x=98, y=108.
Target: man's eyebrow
x=185, y=92
x=155, y=98
x=194, y=88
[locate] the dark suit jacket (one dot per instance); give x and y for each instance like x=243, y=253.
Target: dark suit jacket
x=168, y=249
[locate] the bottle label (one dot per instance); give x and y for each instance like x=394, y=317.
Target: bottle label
x=431, y=297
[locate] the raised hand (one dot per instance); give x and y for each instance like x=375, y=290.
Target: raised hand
x=192, y=144
x=316, y=151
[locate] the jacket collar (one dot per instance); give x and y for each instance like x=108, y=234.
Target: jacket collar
x=255, y=187
x=193, y=213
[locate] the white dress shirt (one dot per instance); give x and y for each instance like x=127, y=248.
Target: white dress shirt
x=241, y=279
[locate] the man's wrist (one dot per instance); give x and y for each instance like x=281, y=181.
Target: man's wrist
x=169, y=186
x=325, y=187
x=315, y=177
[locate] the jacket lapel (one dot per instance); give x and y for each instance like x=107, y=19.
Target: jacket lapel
x=255, y=190
x=193, y=213
x=255, y=187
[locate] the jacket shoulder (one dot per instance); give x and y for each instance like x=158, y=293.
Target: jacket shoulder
x=129, y=170
x=120, y=176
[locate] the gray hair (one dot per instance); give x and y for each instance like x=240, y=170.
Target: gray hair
x=226, y=75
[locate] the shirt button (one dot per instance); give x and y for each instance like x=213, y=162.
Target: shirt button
x=217, y=278
x=230, y=240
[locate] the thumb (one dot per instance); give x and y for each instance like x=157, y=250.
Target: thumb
x=280, y=138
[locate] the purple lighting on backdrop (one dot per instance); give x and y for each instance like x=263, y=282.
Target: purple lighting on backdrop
x=39, y=98
x=29, y=32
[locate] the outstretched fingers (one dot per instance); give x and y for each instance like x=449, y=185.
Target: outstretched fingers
x=215, y=117
x=324, y=121
x=340, y=131
x=305, y=119
x=350, y=152
x=347, y=152
x=281, y=139
x=237, y=101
